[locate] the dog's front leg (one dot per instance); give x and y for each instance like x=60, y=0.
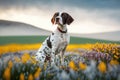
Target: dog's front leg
x=52, y=58
x=53, y=54
x=62, y=56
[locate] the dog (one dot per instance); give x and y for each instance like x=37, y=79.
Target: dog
x=57, y=42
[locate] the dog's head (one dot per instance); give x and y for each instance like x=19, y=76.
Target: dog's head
x=61, y=18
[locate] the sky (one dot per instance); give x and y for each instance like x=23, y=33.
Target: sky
x=90, y=16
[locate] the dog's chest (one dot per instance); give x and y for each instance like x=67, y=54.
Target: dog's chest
x=63, y=37
x=61, y=40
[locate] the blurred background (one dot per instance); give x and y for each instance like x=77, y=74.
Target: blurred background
x=93, y=52
x=92, y=18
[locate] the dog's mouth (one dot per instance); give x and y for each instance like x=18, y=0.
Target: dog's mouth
x=61, y=25
x=57, y=22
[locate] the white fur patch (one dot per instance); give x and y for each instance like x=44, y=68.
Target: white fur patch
x=60, y=18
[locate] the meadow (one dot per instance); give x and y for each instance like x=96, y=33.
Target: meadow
x=39, y=39
x=85, y=59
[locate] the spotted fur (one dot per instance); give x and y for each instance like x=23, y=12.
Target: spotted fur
x=57, y=42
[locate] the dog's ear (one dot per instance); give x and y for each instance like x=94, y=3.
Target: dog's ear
x=53, y=18
x=69, y=19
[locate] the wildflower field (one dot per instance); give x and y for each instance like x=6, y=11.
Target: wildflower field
x=98, y=61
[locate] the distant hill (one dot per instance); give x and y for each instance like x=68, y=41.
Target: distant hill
x=113, y=36
x=11, y=28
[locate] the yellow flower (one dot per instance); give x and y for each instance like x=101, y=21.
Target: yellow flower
x=10, y=64
x=78, y=78
x=113, y=51
x=25, y=57
x=37, y=73
x=30, y=77
x=102, y=67
x=18, y=47
x=33, y=60
x=22, y=76
x=82, y=66
x=7, y=74
x=114, y=62
x=16, y=59
x=72, y=65
x=116, y=57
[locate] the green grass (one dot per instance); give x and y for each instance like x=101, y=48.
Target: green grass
x=78, y=40
x=39, y=39
x=21, y=39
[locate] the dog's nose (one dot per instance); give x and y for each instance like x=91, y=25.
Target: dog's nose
x=57, y=19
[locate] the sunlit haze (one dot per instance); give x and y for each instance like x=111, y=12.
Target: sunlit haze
x=86, y=20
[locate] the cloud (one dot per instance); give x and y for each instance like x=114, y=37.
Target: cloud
x=89, y=15
x=106, y=4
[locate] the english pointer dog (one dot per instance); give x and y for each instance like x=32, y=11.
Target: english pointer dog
x=57, y=42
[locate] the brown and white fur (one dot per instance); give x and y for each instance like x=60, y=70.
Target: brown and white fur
x=57, y=42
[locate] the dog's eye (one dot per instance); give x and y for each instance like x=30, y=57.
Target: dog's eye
x=56, y=14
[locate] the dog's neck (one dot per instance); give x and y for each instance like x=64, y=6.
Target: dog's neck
x=62, y=28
